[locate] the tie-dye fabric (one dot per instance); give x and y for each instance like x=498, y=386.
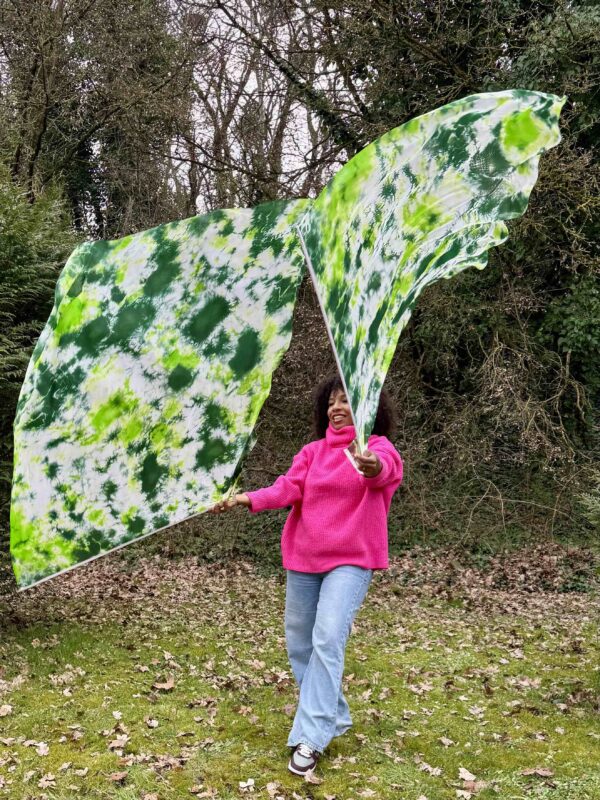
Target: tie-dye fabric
x=142, y=392
x=425, y=201
x=145, y=385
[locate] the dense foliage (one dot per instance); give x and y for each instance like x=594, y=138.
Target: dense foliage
x=115, y=117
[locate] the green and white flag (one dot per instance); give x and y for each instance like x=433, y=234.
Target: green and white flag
x=424, y=201
x=143, y=390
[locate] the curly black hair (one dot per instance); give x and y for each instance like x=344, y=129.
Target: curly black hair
x=385, y=421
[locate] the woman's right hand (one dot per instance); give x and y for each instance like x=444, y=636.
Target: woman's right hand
x=232, y=502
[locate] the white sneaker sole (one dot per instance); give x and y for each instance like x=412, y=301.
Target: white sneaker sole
x=298, y=771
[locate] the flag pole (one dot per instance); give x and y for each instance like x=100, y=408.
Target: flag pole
x=330, y=334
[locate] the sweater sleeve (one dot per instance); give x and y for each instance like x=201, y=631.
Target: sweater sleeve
x=286, y=490
x=392, y=467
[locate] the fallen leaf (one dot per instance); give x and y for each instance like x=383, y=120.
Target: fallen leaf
x=46, y=781
x=435, y=771
x=119, y=742
x=165, y=686
x=474, y=786
x=541, y=772
x=117, y=777
x=310, y=777
x=477, y=711
x=5, y=710
x=465, y=775
x=120, y=728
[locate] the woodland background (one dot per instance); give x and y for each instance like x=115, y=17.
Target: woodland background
x=118, y=116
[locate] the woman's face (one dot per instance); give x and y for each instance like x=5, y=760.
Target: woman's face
x=339, y=410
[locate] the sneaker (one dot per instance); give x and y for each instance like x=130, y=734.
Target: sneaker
x=303, y=759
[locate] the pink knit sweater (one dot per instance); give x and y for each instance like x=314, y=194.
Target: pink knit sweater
x=338, y=516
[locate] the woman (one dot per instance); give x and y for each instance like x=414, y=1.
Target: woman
x=333, y=539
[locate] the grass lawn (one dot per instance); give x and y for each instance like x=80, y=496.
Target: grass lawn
x=171, y=680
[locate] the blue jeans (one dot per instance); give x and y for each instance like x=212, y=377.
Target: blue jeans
x=319, y=610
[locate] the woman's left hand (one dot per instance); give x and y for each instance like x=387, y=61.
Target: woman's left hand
x=369, y=464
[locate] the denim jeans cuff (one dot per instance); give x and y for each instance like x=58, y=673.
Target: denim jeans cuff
x=307, y=742
x=343, y=730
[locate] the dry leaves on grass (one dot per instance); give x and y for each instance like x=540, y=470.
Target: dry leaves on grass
x=165, y=686
x=47, y=781
x=508, y=641
x=199, y=791
x=465, y=775
x=541, y=772
x=310, y=777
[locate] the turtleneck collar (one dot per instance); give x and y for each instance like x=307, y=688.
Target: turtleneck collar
x=340, y=438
